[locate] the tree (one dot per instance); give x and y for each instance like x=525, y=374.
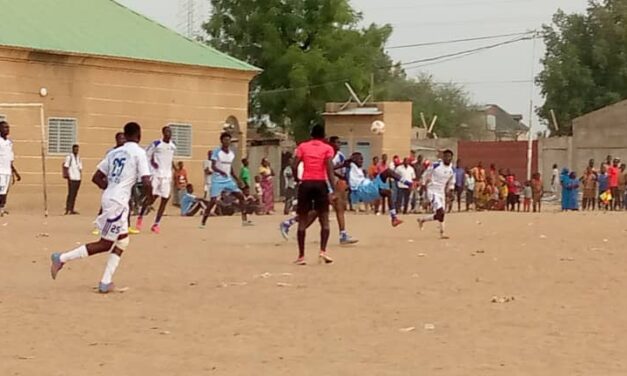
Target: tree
x=307, y=50
x=585, y=65
x=448, y=101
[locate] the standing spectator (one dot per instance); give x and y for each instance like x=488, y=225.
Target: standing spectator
x=622, y=184
x=244, y=174
x=267, y=174
x=180, y=181
x=604, y=187
x=480, y=179
x=612, y=175
x=513, y=196
x=408, y=174
x=207, y=172
x=554, y=180
x=570, y=190
x=537, y=191
x=470, y=189
x=7, y=169
x=589, y=181
x=527, y=196
x=460, y=183
x=290, y=186
x=72, y=168
x=373, y=170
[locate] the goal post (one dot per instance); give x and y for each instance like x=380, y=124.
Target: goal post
x=39, y=106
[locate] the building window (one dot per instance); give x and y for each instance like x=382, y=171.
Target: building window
x=61, y=135
x=182, y=137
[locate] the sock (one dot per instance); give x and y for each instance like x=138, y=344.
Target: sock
x=393, y=213
x=112, y=264
x=290, y=222
x=343, y=234
x=78, y=253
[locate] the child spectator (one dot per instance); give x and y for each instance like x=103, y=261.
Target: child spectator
x=604, y=189
x=527, y=196
x=470, y=189
x=537, y=191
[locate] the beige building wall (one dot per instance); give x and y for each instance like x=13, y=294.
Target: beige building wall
x=355, y=129
x=103, y=94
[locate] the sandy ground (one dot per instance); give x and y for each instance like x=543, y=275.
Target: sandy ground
x=227, y=301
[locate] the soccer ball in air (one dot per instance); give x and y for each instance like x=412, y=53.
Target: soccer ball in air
x=377, y=127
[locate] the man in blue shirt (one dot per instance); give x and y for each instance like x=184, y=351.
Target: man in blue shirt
x=604, y=185
x=460, y=183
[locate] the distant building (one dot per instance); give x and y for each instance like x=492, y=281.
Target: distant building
x=104, y=65
x=493, y=123
x=352, y=124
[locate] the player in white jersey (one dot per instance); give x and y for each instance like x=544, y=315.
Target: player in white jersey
x=116, y=174
x=439, y=181
x=7, y=170
x=223, y=179
x=160, y=154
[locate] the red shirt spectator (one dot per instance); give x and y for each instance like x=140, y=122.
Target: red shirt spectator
x=612, y=174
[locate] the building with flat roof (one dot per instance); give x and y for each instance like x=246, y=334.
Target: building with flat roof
x=103, y=65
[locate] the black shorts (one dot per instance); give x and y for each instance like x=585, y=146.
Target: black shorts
x=313, y=195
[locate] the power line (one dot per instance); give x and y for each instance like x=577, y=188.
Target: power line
x=451, y=41
x=460, y=54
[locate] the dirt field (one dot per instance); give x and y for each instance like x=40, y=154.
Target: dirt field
x=399, y=303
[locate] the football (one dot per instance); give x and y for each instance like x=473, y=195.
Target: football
x=377, y=127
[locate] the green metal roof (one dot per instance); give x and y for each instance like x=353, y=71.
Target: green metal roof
x=104, y=28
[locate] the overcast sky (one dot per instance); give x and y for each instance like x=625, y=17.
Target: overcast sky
x=487, y=76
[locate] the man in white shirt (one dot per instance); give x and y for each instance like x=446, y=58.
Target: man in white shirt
x=408, y=173
x=7, y=169
x=116, y=175
x=72, y=169
x=160, y=155
x=223, y=179
x=439, y=181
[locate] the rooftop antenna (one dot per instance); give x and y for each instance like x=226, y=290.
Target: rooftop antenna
x=354, y=97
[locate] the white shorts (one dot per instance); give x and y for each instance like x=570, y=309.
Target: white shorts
x=437, y=201
x=113, y=221
x=161, y=187
x=5, y=181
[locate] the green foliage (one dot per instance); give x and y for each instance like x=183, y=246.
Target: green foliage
x=307, y=50
x=585, y=65
x=448, y=101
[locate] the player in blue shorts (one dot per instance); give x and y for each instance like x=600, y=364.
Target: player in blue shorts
x=366, y=190
x=223, y=179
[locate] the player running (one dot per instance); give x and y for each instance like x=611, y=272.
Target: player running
x=368, y=191
x=116, y=175
x=161, y=156
x=224, y=180
x=439, y=181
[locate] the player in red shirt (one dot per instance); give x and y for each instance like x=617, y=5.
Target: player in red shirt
x=315, y=191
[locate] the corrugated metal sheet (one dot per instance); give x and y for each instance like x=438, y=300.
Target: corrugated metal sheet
x=103, y=28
